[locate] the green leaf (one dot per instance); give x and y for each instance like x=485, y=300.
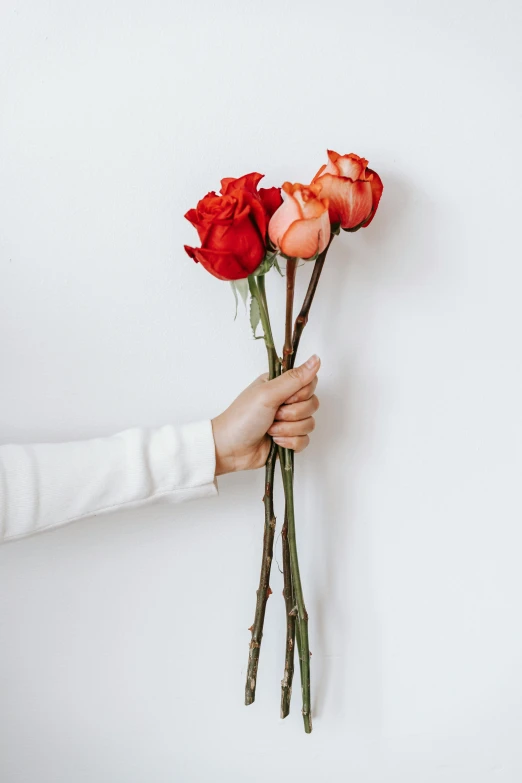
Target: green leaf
x=241, y=287
x=255, y=316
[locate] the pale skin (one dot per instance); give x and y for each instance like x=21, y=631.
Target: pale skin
x=282, y=408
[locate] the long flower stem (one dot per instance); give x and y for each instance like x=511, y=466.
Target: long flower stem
x=302, y=318
x=290, y=352
x=257, y=289
x=288, y=595
x=291, y=610
x=297, y=616
x=263, y=590
x=288, y=590
x=274, y=365
x=302, y=614
x=298, y=609
x=291, y=267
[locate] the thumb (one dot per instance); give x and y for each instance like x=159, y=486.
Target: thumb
x=284, y=386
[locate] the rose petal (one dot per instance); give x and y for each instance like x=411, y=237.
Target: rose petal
x=322, y=170
x=350, y=202
x=331, y=167
x=190, y=251
x=305, y=238
x=310, y=205
x=258, y=213
x=200, y=225
x=192, y=217
x=222, y=264
x=271, y=199
x=247, y=182
x=213, y=205
x=377, y=188
x=288, y=212
x=239, y=236
x=350, y=165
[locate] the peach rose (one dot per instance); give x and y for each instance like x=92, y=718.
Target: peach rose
x=300, y=228
x=352, y=189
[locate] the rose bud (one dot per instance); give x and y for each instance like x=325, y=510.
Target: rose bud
x=232, y=227
x=352, y=189
x=301, y=227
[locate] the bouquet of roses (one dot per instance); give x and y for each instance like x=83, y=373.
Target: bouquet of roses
x=243, y=231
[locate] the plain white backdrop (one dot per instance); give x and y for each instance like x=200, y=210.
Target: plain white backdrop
x=123, y=640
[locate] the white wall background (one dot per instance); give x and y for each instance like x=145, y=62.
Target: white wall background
x=124, y=640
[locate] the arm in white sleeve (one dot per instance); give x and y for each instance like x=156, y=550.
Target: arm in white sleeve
x=46, y=485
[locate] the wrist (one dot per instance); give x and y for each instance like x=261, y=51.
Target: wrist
x=225, y=459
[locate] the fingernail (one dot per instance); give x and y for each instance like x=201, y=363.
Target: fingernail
x=312, y=361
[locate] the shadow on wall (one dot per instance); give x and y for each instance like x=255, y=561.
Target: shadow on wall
x=399, y=251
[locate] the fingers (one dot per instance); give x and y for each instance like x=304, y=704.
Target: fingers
x=303, y=394
x=297, y=444
x=292, y=429
x=289, y=383
x=297, y=410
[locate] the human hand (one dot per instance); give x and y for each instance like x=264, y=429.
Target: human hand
x=282, y=408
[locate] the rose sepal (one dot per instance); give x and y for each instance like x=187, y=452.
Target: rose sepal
x=268, y=261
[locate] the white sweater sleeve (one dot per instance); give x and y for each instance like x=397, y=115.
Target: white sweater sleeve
x=48, y=484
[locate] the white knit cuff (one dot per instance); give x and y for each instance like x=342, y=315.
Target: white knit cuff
x=198, y=454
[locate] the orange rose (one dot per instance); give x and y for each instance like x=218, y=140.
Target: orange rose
x=352, y=189
x=300, y=228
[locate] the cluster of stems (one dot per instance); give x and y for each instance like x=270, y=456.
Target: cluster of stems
x=296, y=614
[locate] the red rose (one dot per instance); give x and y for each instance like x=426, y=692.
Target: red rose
x=353, y=190
x=232, y=227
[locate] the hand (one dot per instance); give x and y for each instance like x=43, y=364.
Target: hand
x=282, y=408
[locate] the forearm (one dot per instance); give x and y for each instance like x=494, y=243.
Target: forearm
x=46, y=485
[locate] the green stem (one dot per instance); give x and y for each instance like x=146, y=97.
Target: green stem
x=288, y=590
x=263, y=590
x=257, y=289
x=292, y=590
x=288, y=595
x=286, y=458
x=290, y=608
x=302, y=614
x=290, y=355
